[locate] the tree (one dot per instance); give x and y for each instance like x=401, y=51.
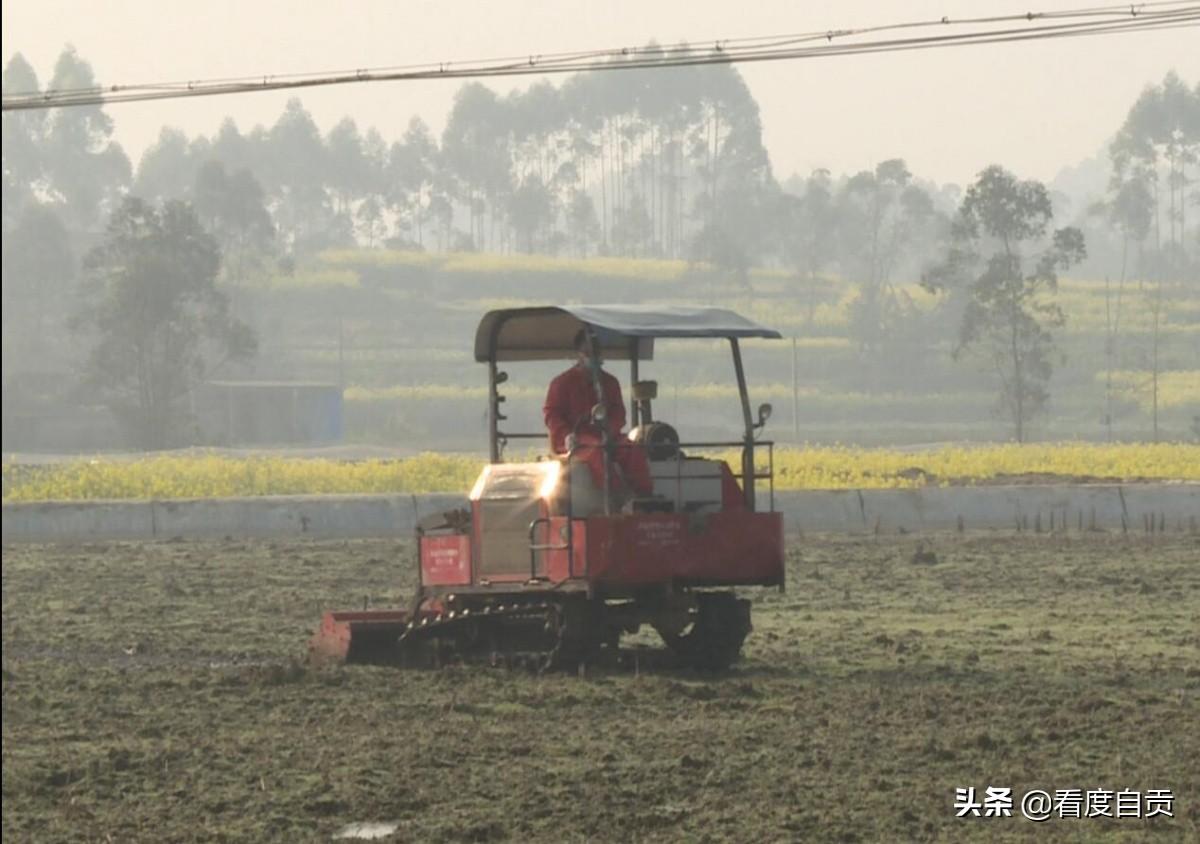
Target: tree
x=475, y=147
x=87, y=171
x=881, y=216
x=582, y=224
x=810, y=238
x=38, y=267
x=349, y=171
x=369, y=219
x=167, y=167
x=24, y=136
x=1001, y=224
x=233, y=207
x=1131, y=211
x=409, y=174
x=530, y=208
x=371, y=214
x=235, y=150
x=159, y=321
x=716, y=246
x=1162, y=128
x=296, y=166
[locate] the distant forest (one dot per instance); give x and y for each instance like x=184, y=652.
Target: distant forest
x=645, y=163
x=661, y=170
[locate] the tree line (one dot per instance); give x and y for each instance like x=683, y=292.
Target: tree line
x=664, y=163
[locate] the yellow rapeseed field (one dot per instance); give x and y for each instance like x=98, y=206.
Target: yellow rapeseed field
x=855, y=468
x=216, y=476
x=832, y=467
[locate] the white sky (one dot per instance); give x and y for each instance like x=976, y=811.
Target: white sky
x=1034, y=107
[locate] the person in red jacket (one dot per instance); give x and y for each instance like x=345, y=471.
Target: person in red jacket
x=568, y=416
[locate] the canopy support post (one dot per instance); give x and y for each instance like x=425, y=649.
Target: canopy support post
x=748, y=437
x=634, y=348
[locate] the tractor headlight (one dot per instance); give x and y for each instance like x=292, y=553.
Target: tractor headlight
x=553, y=472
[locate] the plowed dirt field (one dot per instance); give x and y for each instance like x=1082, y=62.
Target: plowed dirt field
x=157, y=692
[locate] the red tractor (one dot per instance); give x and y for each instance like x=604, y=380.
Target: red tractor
x=553, y=564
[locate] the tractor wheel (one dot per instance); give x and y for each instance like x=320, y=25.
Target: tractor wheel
x=719, y=625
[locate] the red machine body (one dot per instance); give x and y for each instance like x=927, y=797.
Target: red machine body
x=608, y=553
x=445, y=560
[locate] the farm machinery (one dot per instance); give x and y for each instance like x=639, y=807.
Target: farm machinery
x=553, y=560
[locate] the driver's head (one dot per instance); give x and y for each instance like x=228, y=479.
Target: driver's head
x=581, y=347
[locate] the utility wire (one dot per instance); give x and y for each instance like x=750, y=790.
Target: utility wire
x=1030, y=26
x=547, y=60
x=727, y=51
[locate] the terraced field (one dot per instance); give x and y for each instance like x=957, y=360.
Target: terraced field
x=156, y=692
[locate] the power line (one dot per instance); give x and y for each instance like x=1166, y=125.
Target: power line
x=1029, y=26
x=1120, y=19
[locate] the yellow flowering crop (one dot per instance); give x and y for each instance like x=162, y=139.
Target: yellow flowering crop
x=215, y=477
x=827, y=467
x=839, y=467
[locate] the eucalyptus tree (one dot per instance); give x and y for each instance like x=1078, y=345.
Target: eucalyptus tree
x=1003, y=260
x=232, y=207
x=24, y=136
x=1159, y=146
x=237, y=151
x=475, y=150
x=411, y=177
x=167, y=168
x=295, y=173
x=348, y=175
x=87, y=171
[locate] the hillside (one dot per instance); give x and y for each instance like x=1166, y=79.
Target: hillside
x=395, y=328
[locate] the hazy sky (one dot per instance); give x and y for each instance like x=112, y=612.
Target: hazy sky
x=1034, y=106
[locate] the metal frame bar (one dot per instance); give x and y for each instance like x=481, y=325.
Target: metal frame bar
x=634, y=415
x=493, y=396
x=569, y=545
x=746, y=480
x=748, y=441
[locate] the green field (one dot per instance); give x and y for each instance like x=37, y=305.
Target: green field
x=154, y=692
x=396, y=329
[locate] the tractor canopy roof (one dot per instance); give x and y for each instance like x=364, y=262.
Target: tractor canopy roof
x=548, y=333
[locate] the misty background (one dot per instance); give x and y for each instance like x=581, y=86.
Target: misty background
x=279, y=284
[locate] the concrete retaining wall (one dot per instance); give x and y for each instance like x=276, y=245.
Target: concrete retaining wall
x=1089, y=506
x=316, y=516
x=1171, y=506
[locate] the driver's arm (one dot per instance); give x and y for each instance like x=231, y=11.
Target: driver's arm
x=555, y=412
x=614, y=404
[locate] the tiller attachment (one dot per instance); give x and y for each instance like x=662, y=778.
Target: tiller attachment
x=365, y=636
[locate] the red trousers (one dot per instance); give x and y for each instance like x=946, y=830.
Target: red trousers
x=630, y=471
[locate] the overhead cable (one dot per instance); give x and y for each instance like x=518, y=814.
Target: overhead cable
x=1029, y=26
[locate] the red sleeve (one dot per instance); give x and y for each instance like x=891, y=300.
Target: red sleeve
x=615, y=404
x=555, y=413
